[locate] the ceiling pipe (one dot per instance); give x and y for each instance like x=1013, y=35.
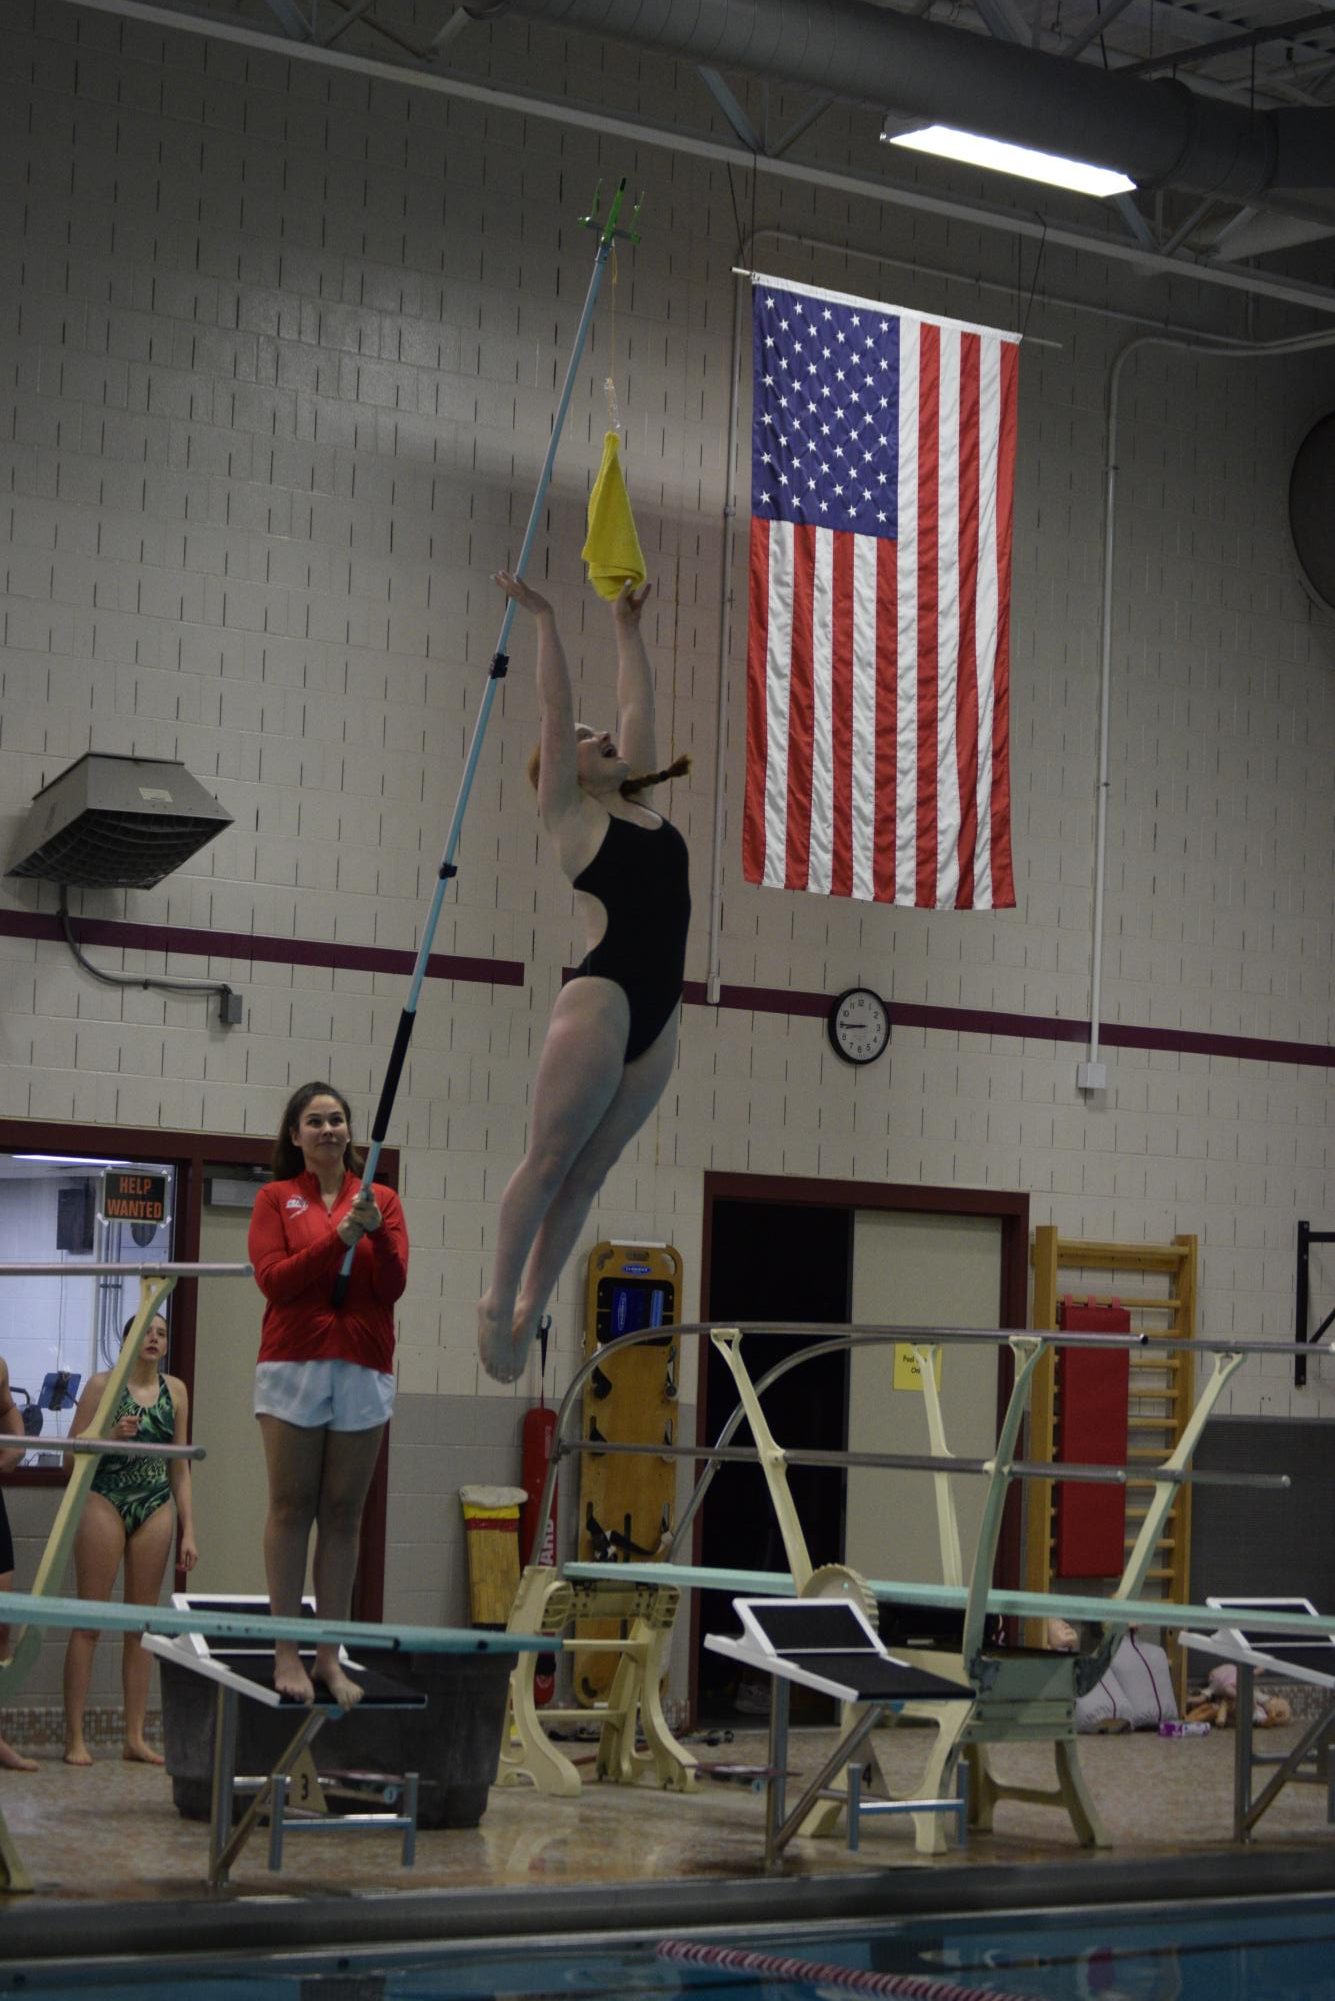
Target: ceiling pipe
x=1025, y=223
x=1160, y=133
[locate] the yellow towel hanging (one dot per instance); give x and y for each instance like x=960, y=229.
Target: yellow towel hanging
x=612, y=547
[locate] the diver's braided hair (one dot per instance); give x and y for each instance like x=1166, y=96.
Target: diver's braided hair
x=677, y=769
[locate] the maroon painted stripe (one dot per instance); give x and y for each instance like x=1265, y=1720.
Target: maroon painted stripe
x=245, y=945
x=753, y=1000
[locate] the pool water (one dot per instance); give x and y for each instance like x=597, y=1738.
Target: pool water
x=1253, y=1950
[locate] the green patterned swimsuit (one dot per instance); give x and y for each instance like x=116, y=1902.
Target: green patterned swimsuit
x=137, y=1488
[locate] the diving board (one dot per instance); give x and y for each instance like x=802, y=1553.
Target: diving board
x=1251, y=1641
x=165, y=1621
x=21, y=1608
x=1079, y=1608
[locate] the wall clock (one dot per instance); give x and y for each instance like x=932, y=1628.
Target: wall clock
x=859, y=1025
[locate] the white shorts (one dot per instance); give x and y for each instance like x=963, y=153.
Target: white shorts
x=338, y=1396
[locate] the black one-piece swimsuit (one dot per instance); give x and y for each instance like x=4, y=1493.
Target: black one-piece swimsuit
x=641, y=876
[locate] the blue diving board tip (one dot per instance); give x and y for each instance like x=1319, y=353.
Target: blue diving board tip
x=1081, y=1609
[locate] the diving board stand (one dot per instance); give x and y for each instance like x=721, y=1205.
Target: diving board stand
x=829, y=1644
x=239, y=1625
x=1250, y=1641
x=291, y=1797
x=1020, y=1694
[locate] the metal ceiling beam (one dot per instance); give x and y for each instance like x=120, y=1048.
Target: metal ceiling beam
x=1255, y=38
x=731, y=109
x=1004, y=21
x=1096, y=27
x=337, y=28
x=1013, y=222
x=1160, y=134
x=1256, y=232
x=801, y=125
x=290, y=18
x=450, y=31
x=360, y=10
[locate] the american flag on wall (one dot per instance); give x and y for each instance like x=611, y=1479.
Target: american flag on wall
x=883, y=455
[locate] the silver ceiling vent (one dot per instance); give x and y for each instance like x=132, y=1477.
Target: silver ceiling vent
x=122, y=822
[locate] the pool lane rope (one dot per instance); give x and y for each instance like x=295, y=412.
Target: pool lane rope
x=905, y=1986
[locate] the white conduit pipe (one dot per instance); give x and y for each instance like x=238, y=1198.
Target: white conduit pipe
x=1091, y=1075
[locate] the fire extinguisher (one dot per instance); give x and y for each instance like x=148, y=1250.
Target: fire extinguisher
x=539, y=1439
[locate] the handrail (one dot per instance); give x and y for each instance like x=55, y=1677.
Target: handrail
x=855, y=1335
x=927, y=1462
x=162, y=1269
x=852, y=1336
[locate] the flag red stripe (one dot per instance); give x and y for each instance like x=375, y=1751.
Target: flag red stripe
x=757, y=745
x=966, y=699
x=801, y=714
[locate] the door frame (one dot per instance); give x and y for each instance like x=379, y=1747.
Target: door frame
x=1008, y=1207
x=188, y=1153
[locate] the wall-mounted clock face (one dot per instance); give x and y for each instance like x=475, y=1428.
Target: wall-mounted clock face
x=859, y=1025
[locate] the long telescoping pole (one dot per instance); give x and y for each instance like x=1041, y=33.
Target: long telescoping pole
x=607, y=236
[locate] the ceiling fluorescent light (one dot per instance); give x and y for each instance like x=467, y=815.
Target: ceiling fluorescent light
x=974, y=151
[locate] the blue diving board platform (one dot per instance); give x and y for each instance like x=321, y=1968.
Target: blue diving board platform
x=1080, y=1609
x=19, y=1608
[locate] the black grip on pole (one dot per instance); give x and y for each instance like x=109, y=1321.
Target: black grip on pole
x=403, y=1035
x=499, y=663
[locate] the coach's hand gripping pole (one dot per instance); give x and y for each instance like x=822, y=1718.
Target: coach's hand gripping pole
x=608, y=233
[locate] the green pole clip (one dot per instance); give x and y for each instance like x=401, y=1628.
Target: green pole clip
x=609, y=231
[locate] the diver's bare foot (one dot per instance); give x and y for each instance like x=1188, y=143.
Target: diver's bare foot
x=140, y=1753
x=78, y=1754
x=495, y=1344
x=291, y=1679
x=523, y=1333
x=14, y=1761
x=347, y=1694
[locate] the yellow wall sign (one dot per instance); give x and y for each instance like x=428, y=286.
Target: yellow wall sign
x=908, y=1371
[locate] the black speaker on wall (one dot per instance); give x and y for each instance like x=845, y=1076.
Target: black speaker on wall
x=76, y=1215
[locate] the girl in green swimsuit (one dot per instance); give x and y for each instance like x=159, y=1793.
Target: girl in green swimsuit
x=128, y=1517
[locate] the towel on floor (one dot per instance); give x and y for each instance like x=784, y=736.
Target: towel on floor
x=612, y=547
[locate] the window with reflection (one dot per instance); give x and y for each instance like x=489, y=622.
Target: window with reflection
x=75, y=1211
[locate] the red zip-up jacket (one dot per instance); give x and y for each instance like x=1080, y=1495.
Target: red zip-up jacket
x=296, y=1251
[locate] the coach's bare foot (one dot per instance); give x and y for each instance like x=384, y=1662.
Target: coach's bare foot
x=14, y=1761
x=139, y=1752
x=347, y=1694
x=78, y=1753
x=495, y=1344
x=289, y=1676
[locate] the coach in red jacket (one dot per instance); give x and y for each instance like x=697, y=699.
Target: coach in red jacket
x=324, y=1384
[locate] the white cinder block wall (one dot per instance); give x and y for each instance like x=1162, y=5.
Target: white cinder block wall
x=279, y=350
